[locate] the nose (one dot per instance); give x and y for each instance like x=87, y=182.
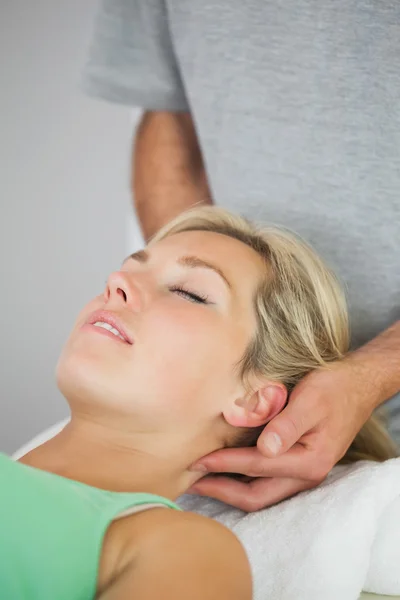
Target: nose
x=122, y=291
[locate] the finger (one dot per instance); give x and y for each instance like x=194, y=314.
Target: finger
x=286, y=429
x=298, y=462
x=258, y=494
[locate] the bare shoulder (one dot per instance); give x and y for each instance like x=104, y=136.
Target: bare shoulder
x=187, y=529
x=181, y=555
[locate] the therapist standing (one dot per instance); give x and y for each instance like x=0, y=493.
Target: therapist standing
x=287, y=112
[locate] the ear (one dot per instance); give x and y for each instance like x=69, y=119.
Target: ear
x=258, y=408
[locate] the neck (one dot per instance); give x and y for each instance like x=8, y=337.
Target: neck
x=108, y=459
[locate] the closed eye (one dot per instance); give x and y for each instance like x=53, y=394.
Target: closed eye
x=190, y=295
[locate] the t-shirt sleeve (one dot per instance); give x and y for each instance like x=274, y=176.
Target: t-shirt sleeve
x=131, y=59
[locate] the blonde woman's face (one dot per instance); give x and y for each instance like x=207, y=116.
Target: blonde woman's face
x=184, y=326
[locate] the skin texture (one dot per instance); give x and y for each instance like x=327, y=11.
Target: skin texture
x=180, y=555
x=143, y=412
x=326, y=410
x=168, y=174
x=175, y=388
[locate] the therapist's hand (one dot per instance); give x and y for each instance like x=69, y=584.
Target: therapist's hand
x=299, y=447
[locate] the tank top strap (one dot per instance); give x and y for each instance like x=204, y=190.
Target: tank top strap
x=122, y=504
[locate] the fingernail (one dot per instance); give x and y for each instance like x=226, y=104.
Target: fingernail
x=200, y=468
x=273, y=442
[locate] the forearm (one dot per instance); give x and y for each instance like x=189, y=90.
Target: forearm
x=168, y=174
x=380, y=360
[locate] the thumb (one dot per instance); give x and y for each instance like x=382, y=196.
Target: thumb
x=282, y=432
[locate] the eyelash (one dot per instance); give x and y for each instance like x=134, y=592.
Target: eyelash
x=197, y=298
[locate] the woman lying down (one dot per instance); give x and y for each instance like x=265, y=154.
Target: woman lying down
x=194, y=345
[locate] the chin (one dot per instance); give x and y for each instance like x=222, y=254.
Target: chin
x=85, y=377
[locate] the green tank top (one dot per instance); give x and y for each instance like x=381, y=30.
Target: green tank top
x=51, y=532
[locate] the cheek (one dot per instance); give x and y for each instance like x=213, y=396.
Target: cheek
x=182, y=332
x=187, y=355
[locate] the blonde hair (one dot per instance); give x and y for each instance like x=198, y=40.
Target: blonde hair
x=301, y=313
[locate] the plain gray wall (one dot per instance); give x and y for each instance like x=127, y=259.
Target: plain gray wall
x=65, y=204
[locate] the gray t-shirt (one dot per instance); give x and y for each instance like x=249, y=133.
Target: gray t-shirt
x=297, y=110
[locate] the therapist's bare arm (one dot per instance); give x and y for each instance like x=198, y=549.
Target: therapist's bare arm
x=183, y=556
x=168, y=174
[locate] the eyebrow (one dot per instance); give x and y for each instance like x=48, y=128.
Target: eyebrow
x=186, y=261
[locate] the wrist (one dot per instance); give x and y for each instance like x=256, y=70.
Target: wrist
x=372, y=373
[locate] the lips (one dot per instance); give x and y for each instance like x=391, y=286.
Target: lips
x=108, y=317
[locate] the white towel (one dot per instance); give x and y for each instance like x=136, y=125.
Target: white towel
x=329, y=543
